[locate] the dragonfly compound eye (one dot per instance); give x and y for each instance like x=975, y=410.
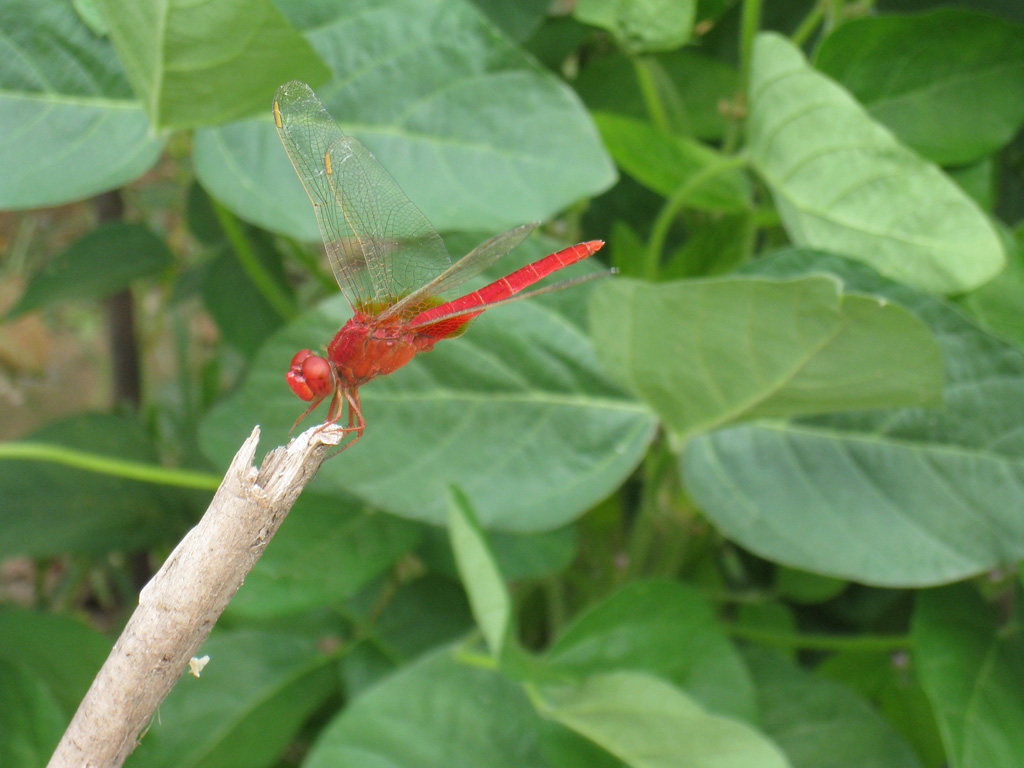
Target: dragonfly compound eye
x=310, y=375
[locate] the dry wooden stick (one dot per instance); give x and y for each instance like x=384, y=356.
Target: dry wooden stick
x=181, y=603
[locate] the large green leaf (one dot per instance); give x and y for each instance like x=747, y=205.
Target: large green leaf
x=947, y=83
x=475, y=132
x=818, y=722
x=897, y=497
x=666, y=629
x=205, y=63
x=253, y=696
x=973, y=673
x=102, y=261
x=435, y=713
x=707, y=352
x=324, y=553
x=69, y=126
x=647, y=723
x=671, y=164
x=843, y=183
x=516, y=413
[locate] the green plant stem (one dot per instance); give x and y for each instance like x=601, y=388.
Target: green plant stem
x=649, y=90
x=647, y=529
x=811, y=22
x=750, y=23
x=254, y=270
x=790, y=640
x=557, y=612
x=675, y=203
x=108, y=465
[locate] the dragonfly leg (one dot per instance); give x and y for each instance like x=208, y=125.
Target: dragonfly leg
x=355, y=414
x=334, y=412
x=305, y=413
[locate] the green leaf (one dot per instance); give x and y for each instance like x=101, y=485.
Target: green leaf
x=30, y=718
x=666, y=164
x=101, y=262
x=488, y=595
x=843, y=183
x=516, y=413
x=886, y=679
x=62, y=652
x=480, y=138
x=899, y=497
x=69, y=126
x=256, y=691
x=818, y=722
x=999, y=303
x=323, y=554
x=195, y=64
x=50, y=509
x=435, y=713
x=946, y=82
x=647, y=723
x=641, y=25
x=666, y=629
x=1009, y=9
x=973, y=673
x=704, y=353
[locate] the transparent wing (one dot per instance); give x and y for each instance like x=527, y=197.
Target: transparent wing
x=379, y=244
x=399, y=249
x=470, y=265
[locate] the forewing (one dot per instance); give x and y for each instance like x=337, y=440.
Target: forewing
x=399, y=250
x=379, y=244
x=307, y=131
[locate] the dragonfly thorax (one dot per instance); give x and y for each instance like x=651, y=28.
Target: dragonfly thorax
x=364, y=349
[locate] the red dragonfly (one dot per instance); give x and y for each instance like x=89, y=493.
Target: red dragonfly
x=391, y=264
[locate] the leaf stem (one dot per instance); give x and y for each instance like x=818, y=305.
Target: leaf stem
x=649, y=90
x=251, y=265
x=675, y=203
x=750, y=23
x=108, y=465
x=811, y=22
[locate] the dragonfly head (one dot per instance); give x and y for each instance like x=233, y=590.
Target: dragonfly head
x=310, y=376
